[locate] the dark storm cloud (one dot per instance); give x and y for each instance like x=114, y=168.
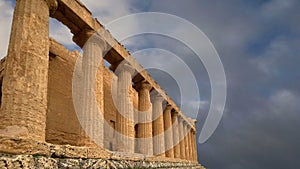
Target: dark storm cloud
x=258, y=43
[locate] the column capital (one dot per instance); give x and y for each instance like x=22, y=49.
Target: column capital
x=193, y=131
x=181, y=118
x=185, y=123
x=192, y=121
x=114, y=66
x=124, y=66
x=95, y=38
x=155, y=96
x=175, y=113
x=168, y=107
x=86, y=36
x=144, y=85
x=53, y=5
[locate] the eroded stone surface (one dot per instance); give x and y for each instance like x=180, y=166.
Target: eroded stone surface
x=37, y=162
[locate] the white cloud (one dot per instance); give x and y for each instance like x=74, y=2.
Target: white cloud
x=277, y=52
x=195, y=106
x=284, y=101
x=6, y=14
x=204, y=104
x=61, y=33
x=108, y=10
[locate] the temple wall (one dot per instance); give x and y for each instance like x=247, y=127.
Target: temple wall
x=62, y=125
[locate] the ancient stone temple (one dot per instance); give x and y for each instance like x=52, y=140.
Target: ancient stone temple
x=60, y=109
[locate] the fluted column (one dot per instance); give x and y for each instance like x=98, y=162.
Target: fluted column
x=191, y=147
x=124, y=117
x=186, y=141
x=92, y=119
x=24, y=88
x=181, y=136
x=196, y=150
x=176, y=135
x=144, y=129
x=168, y=132
x=194, y=146
x=158, y=124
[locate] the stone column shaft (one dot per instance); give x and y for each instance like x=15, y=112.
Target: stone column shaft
x=181, y=136
x=92, y=64
x=144, y=129
x=191, y=147
x=176, y=135
x=24, y=88
x=124, y=117
x=158, y=125
x=168, y=132
x=186, y=141
x=195, y=147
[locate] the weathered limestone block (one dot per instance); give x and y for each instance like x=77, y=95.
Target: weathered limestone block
x=14, y=145
x=10, y=161
x=127, y=156
x=75, y=152
x=42, y=162
x=98, y=153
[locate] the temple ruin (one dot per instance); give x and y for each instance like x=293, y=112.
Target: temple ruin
x=39, y=125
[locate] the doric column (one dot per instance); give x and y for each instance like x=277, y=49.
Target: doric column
x=168, y=132
x=92, y=119
x=176, y=135
x=191, y=147
x=194, y=146
x=181, y=137
x=24, y=88
x=196, y=150
x=124, y=117
x=186, y=140
x=158, y=124
x=144, y=128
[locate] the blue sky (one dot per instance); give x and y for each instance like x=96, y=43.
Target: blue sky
x=258, y=43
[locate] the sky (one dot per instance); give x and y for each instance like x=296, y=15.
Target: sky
x=258, y=44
